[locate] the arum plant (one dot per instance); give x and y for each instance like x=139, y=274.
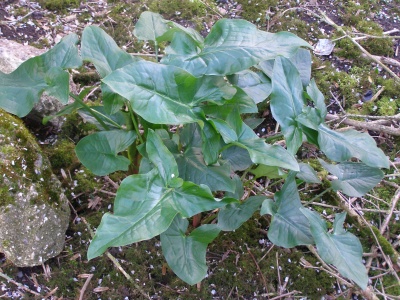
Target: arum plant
x=177, y=125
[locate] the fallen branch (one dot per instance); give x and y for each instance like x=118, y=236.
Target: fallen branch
x=374, y=126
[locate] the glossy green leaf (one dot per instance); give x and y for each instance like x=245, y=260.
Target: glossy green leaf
x=256, y=85
x=235, y=131
x=240, y=103
x=271, y=155
x=268, y=171
x=192, y=166
x=214, y=89
x=177, y=32
x=238, y=158
x=294, y=138
x=310, y=117
x=253, y=123
x=21, y=89
x=289, y=227
x=144, y=207
x=233, y=46
x=211, y=145
x=301, y=59
x=307, y=174
x=287, y=101
x=101, y=50
x=232, y=216
x=112, y=101
x=341, y=146
x=353, y=179
x=186, y=254
x=162, y=158
x=149, y=85
x=239, y=191
x=99, y=151
x=341, y=248
x=318, y=98
x=150, y=26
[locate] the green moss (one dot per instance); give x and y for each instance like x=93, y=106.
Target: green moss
x=387, y=106
x=387, y=248
x=5, y=196
x=6, y=244
x=62, y=155
x=256, y=10
x=20, y=11
x=59, y=5
x=75, y=129
x=294, y=25
x=186, y=10
x=86, y=181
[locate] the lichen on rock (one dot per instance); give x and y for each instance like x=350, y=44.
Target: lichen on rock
x=34, y=212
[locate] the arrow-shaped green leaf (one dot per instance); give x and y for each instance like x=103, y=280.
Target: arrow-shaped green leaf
x=288, y=227
x=354, y=179
x=145, y=207
x=233, y=46
x=192, y=166
x=287, y=101
x=232, y=216
x=99, y=151
x=341, y=146
x=162, y=158
x=186, y=254
x=101, y=50
x=149, y=85
x=150, y=26
x=21, y=89
x=341, y=248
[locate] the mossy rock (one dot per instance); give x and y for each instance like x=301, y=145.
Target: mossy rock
x=34, y=212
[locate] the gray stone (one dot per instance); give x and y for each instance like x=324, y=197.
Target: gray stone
x=34, y=212
x=12, y=54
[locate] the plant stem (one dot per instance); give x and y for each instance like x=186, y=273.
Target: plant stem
x=156, y=50
x=274, y=137
x=317, y=196
x=134, y=121
x=90, y=110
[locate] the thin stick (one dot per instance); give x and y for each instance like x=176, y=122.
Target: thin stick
x=259, y=270
x=285, y=295
x=9, y=279
x=369, y=55
x=395, y=117
x=365, y=125
x=83, y=290
x=385, y=223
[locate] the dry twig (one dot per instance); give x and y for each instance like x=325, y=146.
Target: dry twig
x=9, y=279
x=374, y=126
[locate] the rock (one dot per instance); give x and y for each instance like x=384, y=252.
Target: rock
x=12, y=54
x=34, y=212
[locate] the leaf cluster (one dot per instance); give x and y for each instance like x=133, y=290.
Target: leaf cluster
x=176, y=127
